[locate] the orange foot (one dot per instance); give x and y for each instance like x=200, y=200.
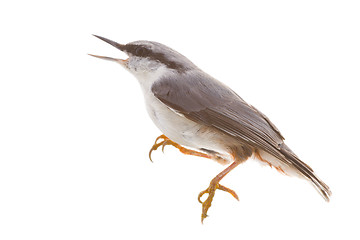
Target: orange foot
x=211, y=191
x=214, y=184
x=166, y=141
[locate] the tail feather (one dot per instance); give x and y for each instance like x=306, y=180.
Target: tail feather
x=306, y=171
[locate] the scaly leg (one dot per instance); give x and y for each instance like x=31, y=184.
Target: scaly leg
x=214, y=184
x=166, y=141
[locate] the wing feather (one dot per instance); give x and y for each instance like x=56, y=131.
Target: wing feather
x=207, y=101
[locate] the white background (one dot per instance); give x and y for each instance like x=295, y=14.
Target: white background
x=74, y=133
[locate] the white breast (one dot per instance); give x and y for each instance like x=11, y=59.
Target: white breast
x=174, y=125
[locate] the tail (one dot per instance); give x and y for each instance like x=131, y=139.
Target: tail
x=293, y=161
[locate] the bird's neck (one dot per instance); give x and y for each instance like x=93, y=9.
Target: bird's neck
x=147, y=79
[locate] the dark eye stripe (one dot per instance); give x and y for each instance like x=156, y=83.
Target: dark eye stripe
x=143, y=51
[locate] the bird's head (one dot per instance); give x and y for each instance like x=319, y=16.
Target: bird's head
x=147, y=59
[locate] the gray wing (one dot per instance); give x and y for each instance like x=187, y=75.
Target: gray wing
x=207, y=101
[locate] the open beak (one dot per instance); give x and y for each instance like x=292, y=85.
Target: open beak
x=121, y=47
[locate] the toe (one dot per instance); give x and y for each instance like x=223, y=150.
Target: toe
x=232, y=192
x=201, y=194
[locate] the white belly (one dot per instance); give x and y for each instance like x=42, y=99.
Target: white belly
x=180, y=129
x=177, y=127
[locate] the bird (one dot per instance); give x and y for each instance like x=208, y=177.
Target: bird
x=201, y=116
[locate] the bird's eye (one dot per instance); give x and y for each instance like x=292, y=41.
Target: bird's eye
x=141, y=51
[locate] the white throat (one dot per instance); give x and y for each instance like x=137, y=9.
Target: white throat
x=147, y=78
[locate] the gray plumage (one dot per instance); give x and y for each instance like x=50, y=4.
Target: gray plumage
x=207, y=101
x=195, y=110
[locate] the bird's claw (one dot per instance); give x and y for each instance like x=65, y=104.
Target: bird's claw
x=164, y=141
x=211, y=191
